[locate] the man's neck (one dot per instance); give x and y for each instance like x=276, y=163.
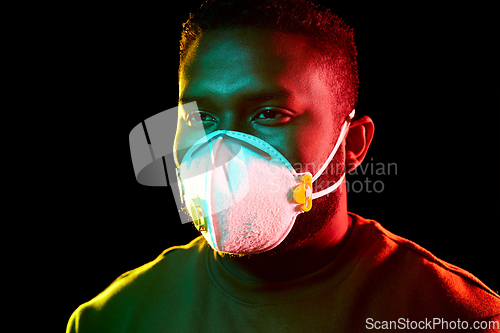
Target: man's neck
x=282, y=264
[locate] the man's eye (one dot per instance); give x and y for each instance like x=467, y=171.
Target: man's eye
x=268, y=114
x=272, y=117
x=199, y=118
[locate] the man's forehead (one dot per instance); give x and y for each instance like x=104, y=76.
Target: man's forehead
x=241, y=42
x=237, y=59
x=236, y=51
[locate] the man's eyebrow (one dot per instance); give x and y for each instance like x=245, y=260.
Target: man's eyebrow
x=185, y=100
x=261, y=96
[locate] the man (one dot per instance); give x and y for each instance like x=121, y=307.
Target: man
x=276, y=81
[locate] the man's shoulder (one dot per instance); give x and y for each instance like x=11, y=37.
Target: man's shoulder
x=409, y=271
x=111, y=308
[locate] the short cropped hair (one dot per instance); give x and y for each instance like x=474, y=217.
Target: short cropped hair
x=327, y=33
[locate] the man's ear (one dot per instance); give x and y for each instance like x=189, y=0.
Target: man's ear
x=358, y=140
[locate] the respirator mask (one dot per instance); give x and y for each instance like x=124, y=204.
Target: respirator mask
x=242, y=194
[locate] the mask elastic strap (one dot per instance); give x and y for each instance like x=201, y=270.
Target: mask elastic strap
x=341, y=138
x=330, y=189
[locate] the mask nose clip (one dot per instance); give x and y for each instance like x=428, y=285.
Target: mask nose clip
x=302, y=194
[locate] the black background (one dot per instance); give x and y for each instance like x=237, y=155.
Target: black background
x=427, y=79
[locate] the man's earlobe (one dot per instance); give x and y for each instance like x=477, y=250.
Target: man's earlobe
x=358, y=140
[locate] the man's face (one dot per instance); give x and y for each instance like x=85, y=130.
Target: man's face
x=264, y=84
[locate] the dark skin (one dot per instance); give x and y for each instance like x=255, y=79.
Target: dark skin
x=270, y=85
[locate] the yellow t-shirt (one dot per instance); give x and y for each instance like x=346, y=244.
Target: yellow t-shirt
x=378, y=281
